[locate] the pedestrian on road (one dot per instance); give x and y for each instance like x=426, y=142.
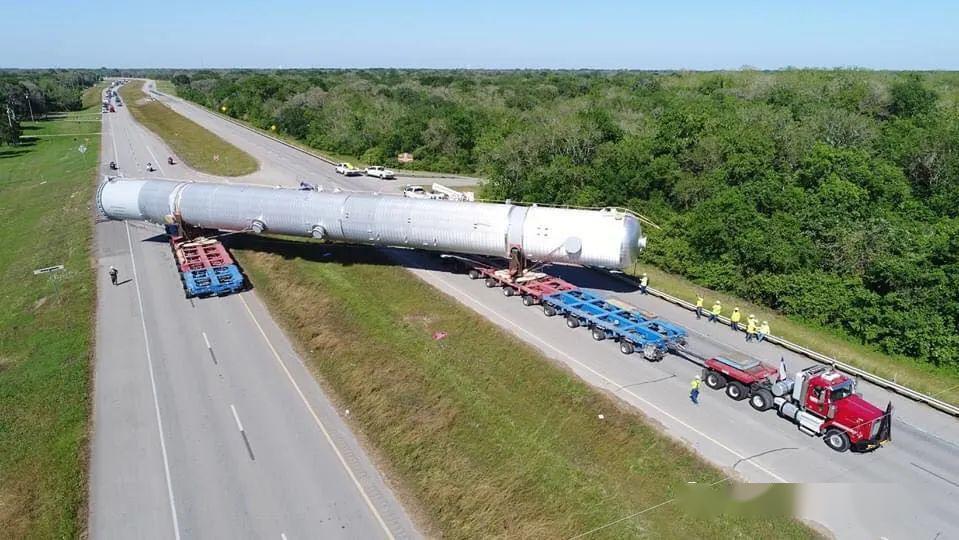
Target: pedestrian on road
x=113, y=274
x=750, y=329
x=643, y=283
x=699, y=306
x=734, y=319
x=716, y=312
x=763, y=331
x=694, y=390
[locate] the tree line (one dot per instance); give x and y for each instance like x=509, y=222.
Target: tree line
x=829, y=195
x=28, y=94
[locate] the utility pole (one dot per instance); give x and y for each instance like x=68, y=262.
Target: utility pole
x=29, y=104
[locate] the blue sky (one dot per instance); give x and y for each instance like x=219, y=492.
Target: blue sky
x=881, y=34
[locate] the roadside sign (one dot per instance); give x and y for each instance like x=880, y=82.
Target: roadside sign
x=82, y=149
x=48, y=270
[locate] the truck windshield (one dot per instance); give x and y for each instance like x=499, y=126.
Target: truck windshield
x=843, y=390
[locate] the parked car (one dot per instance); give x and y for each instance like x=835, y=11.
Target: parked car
x=347, y=169
x=378, y=171
x=416, y=192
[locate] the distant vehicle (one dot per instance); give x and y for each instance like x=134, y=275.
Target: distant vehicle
x=306, y=186
x=378, y=171
x=416, y=192
x=171, y=161
x=347, y=169
x=112, y=109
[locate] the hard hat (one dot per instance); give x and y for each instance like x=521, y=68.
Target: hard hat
x=764, y=322
x=718, y=302
x=735, y=309
x=751, y=316
x=699, y=377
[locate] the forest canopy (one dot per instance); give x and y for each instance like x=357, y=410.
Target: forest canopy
x=831, y=196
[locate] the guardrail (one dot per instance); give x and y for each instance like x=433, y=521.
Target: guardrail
x=937, y=404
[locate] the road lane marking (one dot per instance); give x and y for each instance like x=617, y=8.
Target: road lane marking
x=282, y=536
x=609, y=381
x=939, y=476
x=236, y=417
x=316, y=418
x=153, y=385
x=208, y=346
x=239, y=425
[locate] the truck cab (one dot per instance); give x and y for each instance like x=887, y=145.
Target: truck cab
x=829, y=405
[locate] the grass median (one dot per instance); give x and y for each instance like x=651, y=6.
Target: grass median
x=489, y=437
x=197, y=147
x=941, y=383
x=46, y=327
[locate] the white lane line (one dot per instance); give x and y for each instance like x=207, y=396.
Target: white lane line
x=607, y=380
x=282, y=536
x=319, y=423
x=236, y=417
x=205, y=340
x=153, y=385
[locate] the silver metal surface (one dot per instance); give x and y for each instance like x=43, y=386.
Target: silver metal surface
x=608, y=238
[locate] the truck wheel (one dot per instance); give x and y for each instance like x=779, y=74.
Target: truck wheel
x=735, y=390
x=508, y=291
x=473, y=274
x=761, y=400
x=626, y=347
x=715, y=380
x=598, y=334
x=837, y=440
x=549, y=310
x=572, y=322
x=490, y=282
x=528, y=300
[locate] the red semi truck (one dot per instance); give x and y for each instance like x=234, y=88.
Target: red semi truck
x=820, y=400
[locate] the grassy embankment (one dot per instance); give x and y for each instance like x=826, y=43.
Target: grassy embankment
x=940, y=383
x=46, y=327
x=167, y=87
x=490, y=437
x=196, y=146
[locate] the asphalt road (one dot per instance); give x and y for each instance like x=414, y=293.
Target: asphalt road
x=206, y=422
x=907, y=489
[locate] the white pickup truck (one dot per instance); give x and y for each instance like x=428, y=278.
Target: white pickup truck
x=347, y=169
x=417, y=192
x=381, y=172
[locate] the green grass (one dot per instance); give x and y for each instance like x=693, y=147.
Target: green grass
x=46, y=325
x=193, y=144
x=167, y=87
x=93, y=96
x=488, y=437
x=940, y=383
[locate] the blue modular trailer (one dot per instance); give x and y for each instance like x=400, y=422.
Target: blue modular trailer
x=609, y=319
x=217, y=280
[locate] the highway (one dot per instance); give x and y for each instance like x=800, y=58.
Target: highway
x=206, y=422
x=907, y=489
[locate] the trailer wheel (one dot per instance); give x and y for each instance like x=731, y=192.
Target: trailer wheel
x=473, y=274
x=528, y=300
x=508, y=291
x=735, y=390
x=837, y=440
x=490, y=282
x=598, y=334
x=572, y=321
x=715, y=380
x=761, y=400
x=549, y=310
x=626, y=347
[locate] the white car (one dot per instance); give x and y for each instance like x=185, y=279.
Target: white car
x=380, y=172
x=416, y=192
x=347, y=169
